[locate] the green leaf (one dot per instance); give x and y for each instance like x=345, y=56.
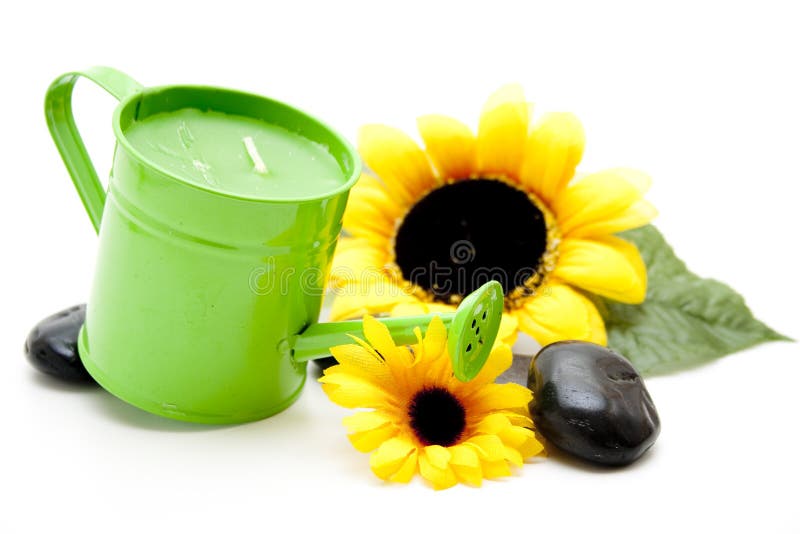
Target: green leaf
x=685, y=320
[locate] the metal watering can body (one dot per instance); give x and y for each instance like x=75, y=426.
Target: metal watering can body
x=194, y=289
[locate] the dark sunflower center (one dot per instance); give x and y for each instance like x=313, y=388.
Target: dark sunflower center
x=464, y=234
x=437, y=417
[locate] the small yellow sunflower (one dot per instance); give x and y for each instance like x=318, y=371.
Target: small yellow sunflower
x=434, y=225
x=424, y=419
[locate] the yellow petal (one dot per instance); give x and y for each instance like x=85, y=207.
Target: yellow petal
x=362, y=362
x=352, y=391
x=347, y=242
x=513, y=456
x=398, y=161
x=363, y=421
x=390, y=457
x=435, y=339
x=369, y=296
x=502, y=132
x=407, y=470
x=435, y=358
x=469, y=475
x=499, y=360
x=397, y=362
x=356, y=260
x=523, y=440
x=438, y=477
x=466, y=464
x=370, y=210
x=637, y=215
x=552, y=153
x=600, y=194
x=507, y=333
x=450, y=145
x=462, y=455
x=517, y=419
x=397, y=359
x=533, y=447
x=494, y=423
x=438, y=336
x=609, y=200
x=369, y=440
x=500, y=397
x=558, y=312
x=495, y=469
x=489, y=448
x=608, y=266
x=438, y=456
x=378, y=336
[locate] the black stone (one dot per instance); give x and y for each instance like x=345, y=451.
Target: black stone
x=52, y=345
x=590, y=402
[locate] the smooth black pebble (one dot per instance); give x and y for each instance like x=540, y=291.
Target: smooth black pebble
x=590, y=402
x=52, y=345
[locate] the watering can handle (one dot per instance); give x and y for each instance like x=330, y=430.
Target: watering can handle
x=58, y=111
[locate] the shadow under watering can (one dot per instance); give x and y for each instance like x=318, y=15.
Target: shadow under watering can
x=219, y=205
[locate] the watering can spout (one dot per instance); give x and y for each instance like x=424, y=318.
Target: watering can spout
x=315, y=341
x=472, y=330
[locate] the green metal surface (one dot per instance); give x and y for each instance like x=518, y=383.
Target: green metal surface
x=194, y=289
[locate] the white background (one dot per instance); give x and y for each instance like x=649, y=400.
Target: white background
x=702, y=96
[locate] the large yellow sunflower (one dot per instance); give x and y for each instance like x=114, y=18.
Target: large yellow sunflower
x=424, y=419
x=435, y=224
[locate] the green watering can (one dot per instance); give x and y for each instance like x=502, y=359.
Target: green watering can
x=216, y=236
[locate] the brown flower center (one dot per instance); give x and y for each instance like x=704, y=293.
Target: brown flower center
x=466, y=233
x=437, y=417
